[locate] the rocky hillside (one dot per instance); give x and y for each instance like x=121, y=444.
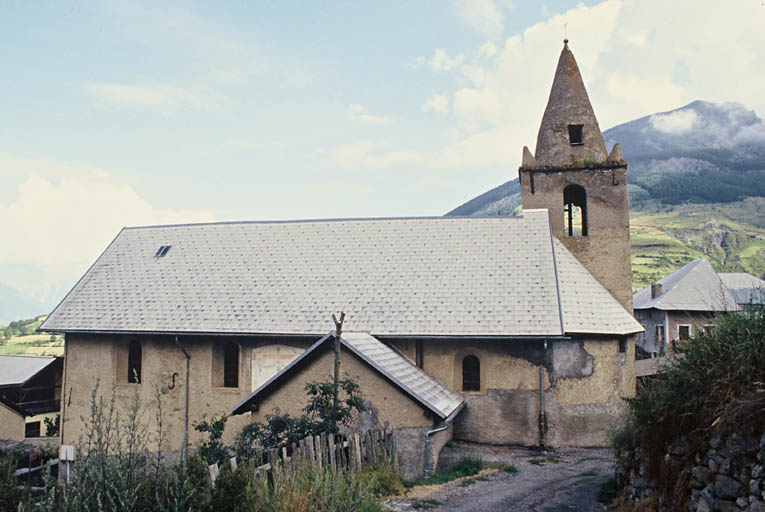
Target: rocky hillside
x=697, y=189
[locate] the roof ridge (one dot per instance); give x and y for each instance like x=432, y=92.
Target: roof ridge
x=331, y=220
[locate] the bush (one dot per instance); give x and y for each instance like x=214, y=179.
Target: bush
x=715, y=384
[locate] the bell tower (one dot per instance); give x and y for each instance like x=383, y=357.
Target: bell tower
x=582, y=186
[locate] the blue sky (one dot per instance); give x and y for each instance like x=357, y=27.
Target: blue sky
x=132, y=113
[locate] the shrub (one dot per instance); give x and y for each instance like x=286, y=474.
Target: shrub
x=715, y=384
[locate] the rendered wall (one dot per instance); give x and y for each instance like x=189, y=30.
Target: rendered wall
x=101, y=359
x=11, y=424
x=388, y=403
x=584, y=383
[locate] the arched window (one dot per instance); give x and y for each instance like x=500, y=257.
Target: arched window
x=231, y=365
x=135, y=354
x=574, y=211
x=471, y=374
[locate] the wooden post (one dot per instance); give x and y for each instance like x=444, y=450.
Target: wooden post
x=336, y=372
x=317, y=451
x=331, y=446
x=356, y=451
x=213, y=473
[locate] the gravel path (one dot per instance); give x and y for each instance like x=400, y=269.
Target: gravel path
x=565, y=480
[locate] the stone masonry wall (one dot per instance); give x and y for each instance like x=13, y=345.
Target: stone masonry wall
x=723, y=474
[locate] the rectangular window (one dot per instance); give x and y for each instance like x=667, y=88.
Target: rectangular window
x=622, y=345
x=419, y=354
x=683, y=332
x=575, y=134
x=659, y=333
x=32, y=429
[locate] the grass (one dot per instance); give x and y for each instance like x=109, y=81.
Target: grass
x=466, y=466
x=425, y=504
x=541, y=461
x=509, y=469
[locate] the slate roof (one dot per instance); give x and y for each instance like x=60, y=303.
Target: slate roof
x=441, y=276
x=746, y=288
x=694, y=287
x=394, y=366
x=16, y=370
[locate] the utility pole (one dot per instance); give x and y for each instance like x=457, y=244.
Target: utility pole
x=336, y=373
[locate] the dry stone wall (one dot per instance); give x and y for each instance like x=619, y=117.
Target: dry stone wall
x=720, y=475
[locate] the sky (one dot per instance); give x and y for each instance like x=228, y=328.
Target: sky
x=116, y=113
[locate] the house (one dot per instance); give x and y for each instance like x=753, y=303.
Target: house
x=11, y=421
x=746, y=289
x=683, y=303
x=494, y=330
x=31, y=386
x=676, y=306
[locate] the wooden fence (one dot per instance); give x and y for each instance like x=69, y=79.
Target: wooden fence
x=337, y=452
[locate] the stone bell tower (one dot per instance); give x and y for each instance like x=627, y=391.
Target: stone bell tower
x=583, y=187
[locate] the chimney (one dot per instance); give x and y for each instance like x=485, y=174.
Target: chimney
x=655, y=290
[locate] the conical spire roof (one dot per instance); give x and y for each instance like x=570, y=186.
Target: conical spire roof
x=569, y=105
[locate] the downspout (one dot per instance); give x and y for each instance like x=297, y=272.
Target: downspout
x=542, y=420
x=429, y=433
x=186, y=405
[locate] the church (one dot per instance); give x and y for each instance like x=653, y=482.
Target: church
x=501, y=330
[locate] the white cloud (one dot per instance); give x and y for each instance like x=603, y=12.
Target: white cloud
x=62, y=217
x=359, y=113
x=680, y=121
x=440, y=61
x=160, y=97
x=638, y=62
x=437, y=103
x=483, y=16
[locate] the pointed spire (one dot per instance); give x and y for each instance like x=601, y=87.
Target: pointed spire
x=615, y=156
x=559, y=142
x=528, y=161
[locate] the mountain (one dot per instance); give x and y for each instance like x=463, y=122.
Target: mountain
x=14, y=304
x=696, y=179
x=700, y=153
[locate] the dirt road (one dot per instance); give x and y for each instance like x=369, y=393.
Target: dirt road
x=550, y=482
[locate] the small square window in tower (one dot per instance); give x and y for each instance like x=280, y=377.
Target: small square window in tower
x=575, y=135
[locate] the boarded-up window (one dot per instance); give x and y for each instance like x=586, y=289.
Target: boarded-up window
x=135, y=354
x=231, y=365
x=471, y=374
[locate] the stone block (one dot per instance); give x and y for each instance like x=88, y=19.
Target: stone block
x=726, y=487
x=699, y=477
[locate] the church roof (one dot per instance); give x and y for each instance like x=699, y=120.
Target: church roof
x=694, y=287
x=568, y=104
x=391, y=364
x=441, y=276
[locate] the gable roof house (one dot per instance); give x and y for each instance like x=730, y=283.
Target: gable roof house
x=30, y=387
x=503, y=330
x=676, y=306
